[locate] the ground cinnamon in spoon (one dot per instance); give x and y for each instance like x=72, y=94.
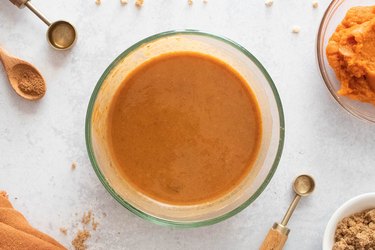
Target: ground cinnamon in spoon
x=29, y=81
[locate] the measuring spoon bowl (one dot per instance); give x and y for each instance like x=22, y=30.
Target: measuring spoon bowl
x=61, y=35
x=304, y=185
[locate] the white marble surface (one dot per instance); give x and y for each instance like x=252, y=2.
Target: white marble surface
x=39, y=141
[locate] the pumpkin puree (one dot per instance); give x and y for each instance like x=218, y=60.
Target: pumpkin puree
x=351, y=53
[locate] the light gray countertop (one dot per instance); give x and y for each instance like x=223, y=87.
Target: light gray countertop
x=39, y=141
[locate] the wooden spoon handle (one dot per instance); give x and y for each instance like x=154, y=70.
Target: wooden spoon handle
x=275, y=239
x=7, y=60
x=19, y=3
x=3, y=57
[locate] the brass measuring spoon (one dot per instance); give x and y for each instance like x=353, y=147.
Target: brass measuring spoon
x=303, y=186
x=61, y=35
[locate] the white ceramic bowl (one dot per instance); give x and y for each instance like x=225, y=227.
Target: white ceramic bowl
x=355, y=205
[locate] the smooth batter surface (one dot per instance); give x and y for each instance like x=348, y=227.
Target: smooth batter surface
x=184, y=128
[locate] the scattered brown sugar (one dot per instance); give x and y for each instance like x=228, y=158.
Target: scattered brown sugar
x=86, y=218
x=139, y=3
x=79, y=242
x=356, y=232
x=94, y=224
x=63, y=230
x=29, y=81
x=73, y=166
x=87, y=224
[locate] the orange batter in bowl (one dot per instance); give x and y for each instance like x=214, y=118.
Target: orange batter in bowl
x=351, y=54
x=184, y=128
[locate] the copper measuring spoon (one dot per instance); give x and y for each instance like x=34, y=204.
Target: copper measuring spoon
x=303, y=186
x=61, y=35
x=24, y=78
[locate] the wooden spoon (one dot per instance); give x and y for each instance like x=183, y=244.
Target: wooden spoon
x=24, y=78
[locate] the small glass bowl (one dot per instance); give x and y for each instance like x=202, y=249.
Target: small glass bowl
x=334, y=14
x=186, y=215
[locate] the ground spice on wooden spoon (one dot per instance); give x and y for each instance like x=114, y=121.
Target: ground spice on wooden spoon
x=23, y=77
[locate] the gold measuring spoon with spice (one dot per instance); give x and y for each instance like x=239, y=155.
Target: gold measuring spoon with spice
x=303, y=186
x=61, y=35
x=24, y=78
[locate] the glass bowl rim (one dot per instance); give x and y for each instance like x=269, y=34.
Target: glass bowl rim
x=331, y=9
x=142, y=214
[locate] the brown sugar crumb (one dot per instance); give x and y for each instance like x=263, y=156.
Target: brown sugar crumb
x=63, y=230
x=356, y=231
x=86, y=218
x=73, y=166
x=139, y=3
x=94, y=224
x=79, y=242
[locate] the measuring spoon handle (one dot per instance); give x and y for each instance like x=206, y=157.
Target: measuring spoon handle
x=276, y=238
x=19, y=3
x=22, y=3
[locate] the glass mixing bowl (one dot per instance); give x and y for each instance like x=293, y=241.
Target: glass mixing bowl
x=186, y=215
x=334, y=14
